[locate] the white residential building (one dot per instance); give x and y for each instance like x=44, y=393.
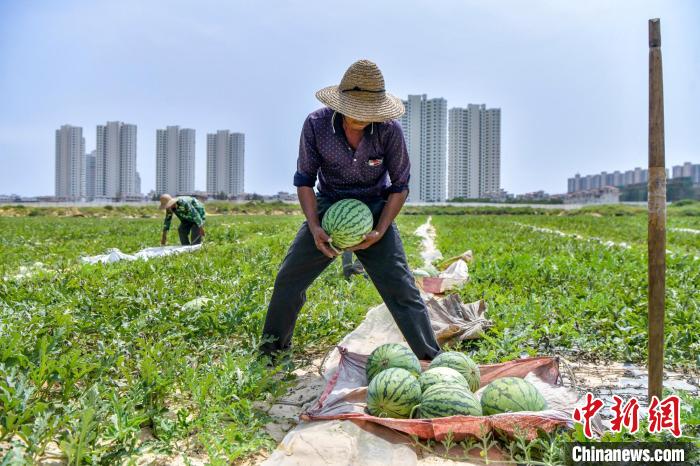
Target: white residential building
x=490, y=152
x=687, y=170
x=225, y=162
x=475, y=152
x=70, y=163
x=90, y=175
x=424, y=126
x=175, y=149
x=115, y=161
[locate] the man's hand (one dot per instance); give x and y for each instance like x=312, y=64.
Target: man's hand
x=322, y=241
x=201, y=232
x=164, y=238
x=370, y=238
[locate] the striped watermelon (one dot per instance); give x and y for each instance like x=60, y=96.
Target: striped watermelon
x=391, y=355
x=438, y=375
x=393, y=393
x=510, y=395
x=462, y=364
x=347, y=222
x=448, y=399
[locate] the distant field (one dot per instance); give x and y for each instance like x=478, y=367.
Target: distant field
x=92, y=355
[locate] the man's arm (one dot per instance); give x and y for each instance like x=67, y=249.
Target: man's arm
x=308, y=164
x=307, y=199
x=391, y=209
x=166, y=227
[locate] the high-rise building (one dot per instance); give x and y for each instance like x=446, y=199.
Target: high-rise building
x=687, y=170
x=175, y=160
x=70, y=163
x=475, y=152
x=90, y=175
x=464, y=137
x=225, y=162
x=115, y=161
x=424, y=126
x=490, y=152
x=412, y=123
x=617, y=179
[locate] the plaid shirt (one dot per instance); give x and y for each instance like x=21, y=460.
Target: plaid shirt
x=379, y=166
x=187, y=209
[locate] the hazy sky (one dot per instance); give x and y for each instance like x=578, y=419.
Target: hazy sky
x=569, y=76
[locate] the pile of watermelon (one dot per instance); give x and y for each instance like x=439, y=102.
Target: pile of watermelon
x=399, y=389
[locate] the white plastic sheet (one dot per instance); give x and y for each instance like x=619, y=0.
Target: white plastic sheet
x=115, y=255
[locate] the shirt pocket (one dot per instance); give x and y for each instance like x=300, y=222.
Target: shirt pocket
x=373, y=168
x=375, y=161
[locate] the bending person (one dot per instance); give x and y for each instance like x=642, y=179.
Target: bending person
x=191, y=214
x=356, y=149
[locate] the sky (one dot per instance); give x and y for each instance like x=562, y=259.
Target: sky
x=570, y=77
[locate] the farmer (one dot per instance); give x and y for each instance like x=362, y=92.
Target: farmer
x=355, y=148
x=191, y=214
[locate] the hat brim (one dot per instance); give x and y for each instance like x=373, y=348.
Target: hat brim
x=371, y=107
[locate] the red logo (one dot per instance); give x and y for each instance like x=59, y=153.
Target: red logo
x=627, y=416
x=375, y=162
x=584, y=415
x=662, y=414
x=669, y=417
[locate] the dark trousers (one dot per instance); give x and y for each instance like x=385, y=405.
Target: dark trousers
x=385, y=263
x=188, y=230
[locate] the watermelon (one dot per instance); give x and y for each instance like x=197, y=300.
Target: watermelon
x=393, y=393
x=391, y=355
x=510, y=395
x=438, y=375
x=462, y=364
x=347, y=222
x=448, y=399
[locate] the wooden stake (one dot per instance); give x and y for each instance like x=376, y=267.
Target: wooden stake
x=657, y=213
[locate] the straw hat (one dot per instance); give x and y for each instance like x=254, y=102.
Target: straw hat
x=361, y=95
x=167, y=201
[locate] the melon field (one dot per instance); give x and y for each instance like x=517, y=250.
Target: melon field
x=104, y=364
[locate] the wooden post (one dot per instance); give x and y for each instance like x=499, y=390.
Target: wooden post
x=657, y=213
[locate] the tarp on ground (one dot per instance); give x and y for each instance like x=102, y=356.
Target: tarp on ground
x=449, y=317
x=350, y=440
x=115, y=255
